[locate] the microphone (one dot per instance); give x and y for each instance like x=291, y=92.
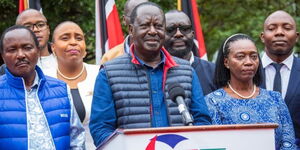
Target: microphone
x=176, y=93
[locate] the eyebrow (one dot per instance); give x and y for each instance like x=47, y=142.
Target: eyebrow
x=68, y=33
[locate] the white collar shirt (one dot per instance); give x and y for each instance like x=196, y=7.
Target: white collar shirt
x=270, y=72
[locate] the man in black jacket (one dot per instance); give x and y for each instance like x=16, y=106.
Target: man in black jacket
x=180, y=42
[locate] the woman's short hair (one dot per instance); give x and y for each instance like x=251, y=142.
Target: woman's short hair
x=222, y=74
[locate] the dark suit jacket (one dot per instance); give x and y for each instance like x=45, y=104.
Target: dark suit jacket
x=292, y=98
x=205, y=71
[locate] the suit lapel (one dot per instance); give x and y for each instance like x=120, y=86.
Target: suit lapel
x=294, y=81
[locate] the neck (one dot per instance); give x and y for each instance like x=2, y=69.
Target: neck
x=188, y=56
x=44, y=51
x=70, y=70
x=242, y=86
x=152, y=59
x=29, y=79
x=278, y=58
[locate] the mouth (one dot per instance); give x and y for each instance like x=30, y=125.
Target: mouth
x=248, y=71
x=152, y=40
x=22, y=63
x=179, y=43
x=39, y=38
x=73, y=51
x=279, y=42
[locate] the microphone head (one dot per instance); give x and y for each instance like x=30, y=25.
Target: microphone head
x=175, y=90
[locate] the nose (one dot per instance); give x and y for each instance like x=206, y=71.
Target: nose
x=73, y=41
x=35, y=29
x=20, y=54
x=178, y=33
x=248, y=61
x=152, y=30
x=279, y=31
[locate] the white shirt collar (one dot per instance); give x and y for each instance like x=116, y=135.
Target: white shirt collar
x=192, y=58
x=288, y=62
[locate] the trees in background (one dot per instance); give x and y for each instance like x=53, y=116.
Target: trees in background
x=219, y=18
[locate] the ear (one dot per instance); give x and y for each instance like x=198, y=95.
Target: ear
x=262, y=37
x=297, y=33
x=84, y=54
x=48, y=29
x=123, y=20
x=130, y=29
x=53, y=49
x=226, y=63
x=193, y=33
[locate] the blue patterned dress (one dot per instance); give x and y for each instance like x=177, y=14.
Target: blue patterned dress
x=267, y=107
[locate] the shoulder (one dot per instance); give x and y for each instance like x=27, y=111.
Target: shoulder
x=216, y=96
x=2, y=69
x=125, y=58
x=180, y=61
x=113, y=53
x=204, y=63
x=271, y=95
x=2, y=80
x=92, y=71
x=54, y=82
x=297, y=62
x=91, y=68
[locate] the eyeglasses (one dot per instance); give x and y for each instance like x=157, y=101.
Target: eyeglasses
x=39, y=25
x=184, y=29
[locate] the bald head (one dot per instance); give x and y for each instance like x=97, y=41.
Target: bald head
x=64, y=25
x=177, y=16
x=29, y=13
x=131, y=4
x=279, y=15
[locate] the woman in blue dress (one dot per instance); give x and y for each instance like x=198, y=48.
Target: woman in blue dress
x=239, y=100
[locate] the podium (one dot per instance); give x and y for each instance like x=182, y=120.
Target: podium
x=212, y=137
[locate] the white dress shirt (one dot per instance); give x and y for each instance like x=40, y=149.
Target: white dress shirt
x=270, y=72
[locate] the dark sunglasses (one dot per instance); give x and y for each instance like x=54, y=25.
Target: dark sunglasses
x=184, y=29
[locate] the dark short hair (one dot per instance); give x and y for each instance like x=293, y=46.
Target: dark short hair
x=134, y=11
x=15, y=27
x=222, y=74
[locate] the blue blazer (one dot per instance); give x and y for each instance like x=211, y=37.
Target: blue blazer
x=292, y=98
x=205, y=71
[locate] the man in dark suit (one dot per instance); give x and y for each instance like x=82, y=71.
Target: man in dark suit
x=281, y=67
x=180, y=42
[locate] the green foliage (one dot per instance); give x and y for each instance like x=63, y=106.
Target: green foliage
x=219, y=18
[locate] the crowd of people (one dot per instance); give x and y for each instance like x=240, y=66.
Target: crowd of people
x=51, y=99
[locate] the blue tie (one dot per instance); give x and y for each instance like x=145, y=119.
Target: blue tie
x=277, y=79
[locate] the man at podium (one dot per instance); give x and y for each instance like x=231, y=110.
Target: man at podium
x=131, y=90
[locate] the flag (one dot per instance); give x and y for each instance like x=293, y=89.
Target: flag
x=191, y=9
x=26, y=4
x=108, y=27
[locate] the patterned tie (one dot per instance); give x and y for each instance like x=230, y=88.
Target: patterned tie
x=277, y=79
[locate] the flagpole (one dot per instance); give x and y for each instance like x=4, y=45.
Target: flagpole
x=179, y=5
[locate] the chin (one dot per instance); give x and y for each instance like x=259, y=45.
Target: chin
x=280, y=51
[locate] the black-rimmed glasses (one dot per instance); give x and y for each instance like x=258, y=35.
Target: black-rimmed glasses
x=39, y=25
